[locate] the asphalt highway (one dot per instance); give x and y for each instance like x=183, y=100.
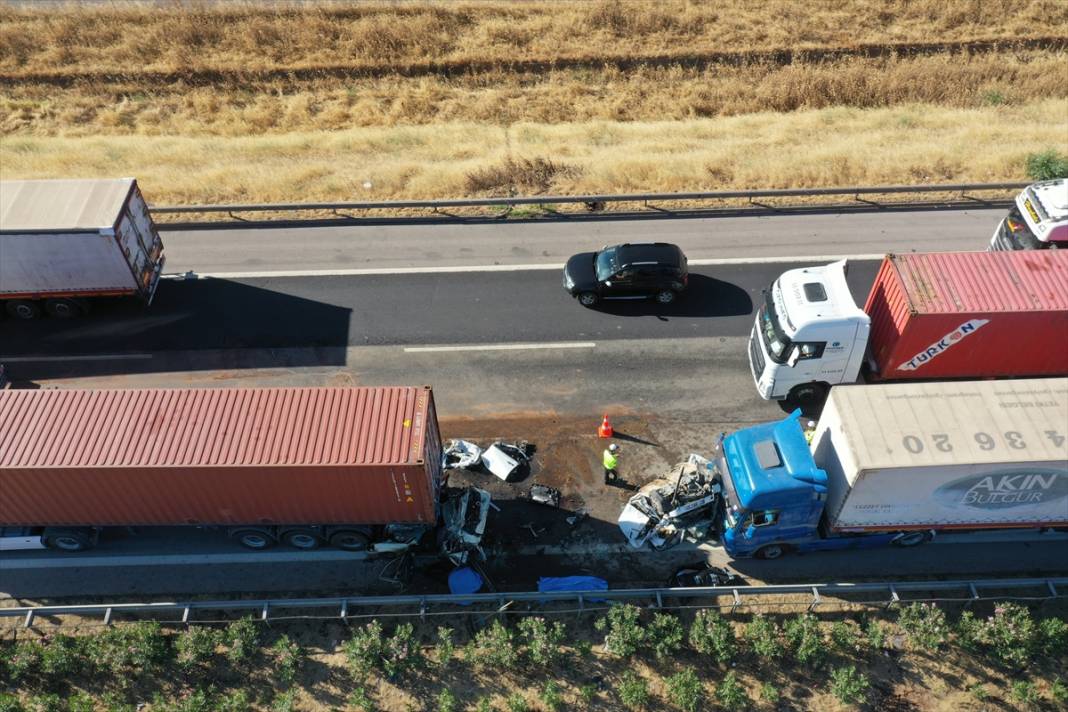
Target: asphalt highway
x=525, y=306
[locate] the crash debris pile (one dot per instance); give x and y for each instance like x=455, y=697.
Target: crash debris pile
x=680, y=505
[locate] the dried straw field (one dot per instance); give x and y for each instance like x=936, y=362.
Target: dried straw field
x=255, y=102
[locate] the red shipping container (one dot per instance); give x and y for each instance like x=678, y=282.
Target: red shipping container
x=222, y=456
x=970, y=315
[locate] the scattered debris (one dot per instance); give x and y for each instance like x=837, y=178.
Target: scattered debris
x=505, y=459
x=704, y=574
x=543, y=494
x=682, y=504
x=460, y=454
x=533, y=530
x=578, y=517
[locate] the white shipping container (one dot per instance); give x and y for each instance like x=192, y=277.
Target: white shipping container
x=945, y=455
x=77, y=238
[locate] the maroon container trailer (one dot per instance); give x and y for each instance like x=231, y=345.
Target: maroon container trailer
x=969, y=315
x=222, y=456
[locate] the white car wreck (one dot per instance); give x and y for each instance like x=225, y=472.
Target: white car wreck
x=669, y=508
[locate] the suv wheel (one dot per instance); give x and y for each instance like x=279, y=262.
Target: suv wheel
x=587, y=299
x=665, y=296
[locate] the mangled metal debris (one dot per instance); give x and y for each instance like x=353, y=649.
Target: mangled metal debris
x=543, y=494
x=460, y=454
x=464, y=515
x=681, y=504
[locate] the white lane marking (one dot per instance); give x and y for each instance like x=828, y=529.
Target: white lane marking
x=87, y=357
x=502, y=347
x=453, y=269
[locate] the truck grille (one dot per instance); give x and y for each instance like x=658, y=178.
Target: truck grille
x=756, y=358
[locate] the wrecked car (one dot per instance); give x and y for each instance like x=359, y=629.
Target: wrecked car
x=681, y=504
x=464, y=515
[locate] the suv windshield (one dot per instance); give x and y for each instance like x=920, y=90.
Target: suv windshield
x=606, y=264
x=774, y=337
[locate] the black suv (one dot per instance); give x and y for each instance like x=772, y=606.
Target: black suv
x=631, y=271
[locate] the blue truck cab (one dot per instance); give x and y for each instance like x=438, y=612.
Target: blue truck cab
x=774, y=494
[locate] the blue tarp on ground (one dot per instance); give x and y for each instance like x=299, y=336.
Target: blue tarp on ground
x=573, y=583
x=465, y=580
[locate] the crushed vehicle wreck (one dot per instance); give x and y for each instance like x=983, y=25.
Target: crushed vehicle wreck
x=464, y=516
x=683, y=504
x=504, y=460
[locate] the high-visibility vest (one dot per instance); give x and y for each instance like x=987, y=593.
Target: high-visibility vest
x=610, y=460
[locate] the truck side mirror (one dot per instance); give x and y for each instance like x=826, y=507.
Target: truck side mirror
x=795, y=356
x=750, y=531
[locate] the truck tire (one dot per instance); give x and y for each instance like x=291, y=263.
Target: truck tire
x=255, y=539
x=770, y=552
x=23, y=309
x=63, y=308
x=61, y=539
x=350, y=540
x=907, y=540
x=809, y=397
x=303, y=538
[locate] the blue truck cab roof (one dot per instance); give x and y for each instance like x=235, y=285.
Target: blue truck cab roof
x=771, y=466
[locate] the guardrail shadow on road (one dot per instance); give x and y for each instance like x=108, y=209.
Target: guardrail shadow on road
x=705, y=297
x=232, y=324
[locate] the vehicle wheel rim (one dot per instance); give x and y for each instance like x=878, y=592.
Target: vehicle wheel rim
x=62, y=310
x=773, y=552
x=351, y=543
x=23, y=311
x=253, y=541
x=303, y=541
x=68, y=543
x=587, y=300
x=911, y=539
x=665, y=297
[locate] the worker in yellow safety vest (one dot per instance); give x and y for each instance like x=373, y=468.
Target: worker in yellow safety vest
x=610, y=460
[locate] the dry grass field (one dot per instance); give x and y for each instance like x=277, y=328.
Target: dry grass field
x=244, y=101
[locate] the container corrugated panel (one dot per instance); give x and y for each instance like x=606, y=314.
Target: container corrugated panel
x=944, y=455
x=219, y=456
x=970, y=315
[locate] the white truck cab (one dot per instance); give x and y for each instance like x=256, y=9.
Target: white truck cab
x=1038, y=220
x=809, y=335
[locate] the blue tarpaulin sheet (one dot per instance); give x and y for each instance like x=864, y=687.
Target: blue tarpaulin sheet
x=573, y=583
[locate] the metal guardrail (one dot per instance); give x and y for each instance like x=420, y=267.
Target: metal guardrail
x=882, y=594
x=511, y=202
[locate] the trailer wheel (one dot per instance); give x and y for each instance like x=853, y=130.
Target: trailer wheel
x=350, y=540
x=254, y=539
x=67, y=539
x=771, y=551
x=23, y=309
x=304, y=539
x=908, y=540
x=63, y=308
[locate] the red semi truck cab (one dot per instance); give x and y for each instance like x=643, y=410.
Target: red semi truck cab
x=931, y=316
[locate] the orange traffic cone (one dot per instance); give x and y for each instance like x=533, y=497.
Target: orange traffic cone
x=605, y=431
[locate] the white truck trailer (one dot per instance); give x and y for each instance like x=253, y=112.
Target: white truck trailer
x=64, y=243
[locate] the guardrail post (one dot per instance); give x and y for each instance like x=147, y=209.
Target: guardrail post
x=737, y=601
x=894, y=598
x=29, y=619
x=107, y=616
x=582, y=603
x=815, y=599
x=185, y=614
x=345, y=611
x=659, y=601
x=264, y=612
x=422, y=609
x=974, y=595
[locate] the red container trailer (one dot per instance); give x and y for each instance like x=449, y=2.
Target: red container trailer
x=969, y=315
x=934, y=316
x=340, y=465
